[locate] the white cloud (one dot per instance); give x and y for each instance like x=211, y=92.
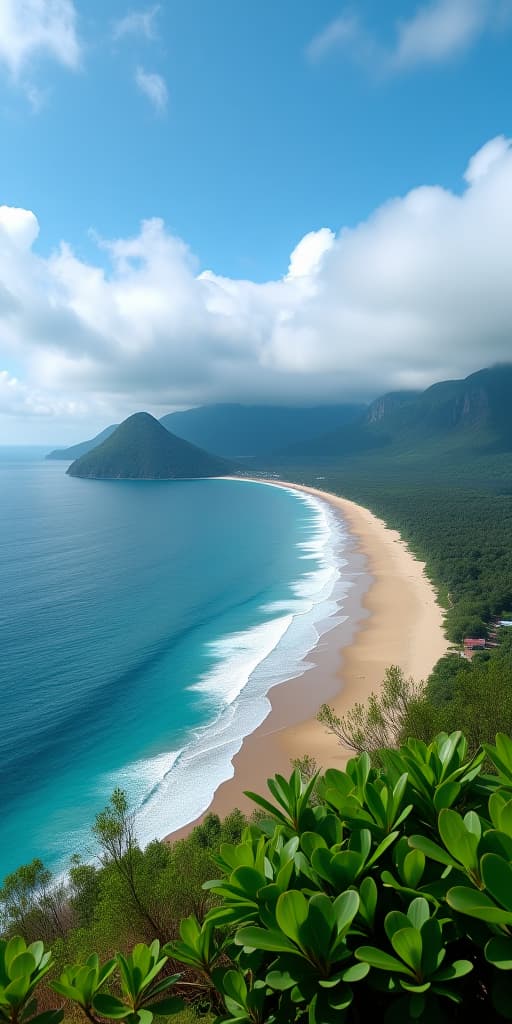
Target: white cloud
x=335, y=35
x=434, y=32
x=440, y=29
x=418, y=292
x=16, y=399
x=153, y=86
x=308, y=255
x=137, y=23
x=35, y=28
x=489, y=154
x=19, y=226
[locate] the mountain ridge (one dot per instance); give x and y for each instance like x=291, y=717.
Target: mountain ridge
x=472, y=413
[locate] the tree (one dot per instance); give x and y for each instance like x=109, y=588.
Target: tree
x=114, y=830
x=379, y=722
x=31, y=903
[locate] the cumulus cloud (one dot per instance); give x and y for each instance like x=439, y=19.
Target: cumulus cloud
x=418, y=292
x=153, y=86
x=137, y=23
x=21, y=227
x=30, y=28
x=434, y=32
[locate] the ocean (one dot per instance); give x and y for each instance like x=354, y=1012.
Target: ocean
x=141, y=626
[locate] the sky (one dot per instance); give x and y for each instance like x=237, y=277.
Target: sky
x=278, y=202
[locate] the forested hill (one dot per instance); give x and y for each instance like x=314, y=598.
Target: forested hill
x=241, y=430
x=142, y=449
x=474, y=414
x=76, y=450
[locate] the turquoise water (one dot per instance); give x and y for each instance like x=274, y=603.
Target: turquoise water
x=141, y=624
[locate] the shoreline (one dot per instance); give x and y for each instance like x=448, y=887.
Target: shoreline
x=396, y=620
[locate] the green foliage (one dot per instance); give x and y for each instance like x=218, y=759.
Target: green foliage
x=22, y=968
x=382, y=891
x=143, y=990
x=141, y=448
x=378, y=723
x=390, y=895
x=31, y=903
x=455, y=513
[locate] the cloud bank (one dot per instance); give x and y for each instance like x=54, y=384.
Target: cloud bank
x=418, y=292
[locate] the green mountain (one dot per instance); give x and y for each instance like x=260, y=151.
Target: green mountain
x=142, y=449
x=76, y=450
x=240, y=430
x=458, y=416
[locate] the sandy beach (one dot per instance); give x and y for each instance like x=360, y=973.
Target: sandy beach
x=393, y=619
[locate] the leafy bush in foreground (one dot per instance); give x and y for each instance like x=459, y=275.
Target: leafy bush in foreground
x=390, y=897
x=369, y=892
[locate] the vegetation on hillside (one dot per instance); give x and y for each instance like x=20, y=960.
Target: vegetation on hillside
x=374, y=891
x=142, y=449
x=475, y=697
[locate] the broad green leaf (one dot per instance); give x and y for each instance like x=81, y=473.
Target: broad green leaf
x=476, y=904
x=413, y=868
x=368, y=895
x=408, y=945
x=292, y=913
x=165, y=1007
x=48, y=1017
x=262, y=938
x=498, y=951
x=418, y=912
x=37, y=950
x=459, y=841
x=381, y=960
x=432, y=850
x=394, y=921
x=281, y=981
x=355, y=973
x=345, y=907
x=23, y=964
x=458, y=969
x=497, y=876
x=14, y=947
x=434, y=951
x=110, y=1007
x=446, y=794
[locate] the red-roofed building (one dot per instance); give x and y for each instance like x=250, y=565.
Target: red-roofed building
x=474, y=643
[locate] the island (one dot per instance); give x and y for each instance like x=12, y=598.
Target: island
x=142, y=449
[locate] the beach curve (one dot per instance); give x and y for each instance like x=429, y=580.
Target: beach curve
x=396, y=620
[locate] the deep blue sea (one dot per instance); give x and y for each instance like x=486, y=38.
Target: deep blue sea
x=141, y=624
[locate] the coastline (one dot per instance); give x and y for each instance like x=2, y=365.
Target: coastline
x=394, y=621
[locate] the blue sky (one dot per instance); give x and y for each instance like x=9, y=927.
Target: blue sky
x=258, y=144
x=242, y=127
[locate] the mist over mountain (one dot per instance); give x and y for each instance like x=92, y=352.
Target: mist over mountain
x=457, y=415
x=236, y=430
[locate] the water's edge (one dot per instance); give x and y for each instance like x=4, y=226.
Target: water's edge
x=269, y=654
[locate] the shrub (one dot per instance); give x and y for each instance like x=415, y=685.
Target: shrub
x=390, y=898
x=378, y=892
